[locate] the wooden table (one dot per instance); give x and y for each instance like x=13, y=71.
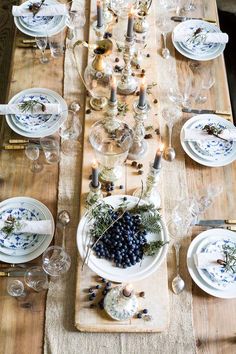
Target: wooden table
x=22, y=328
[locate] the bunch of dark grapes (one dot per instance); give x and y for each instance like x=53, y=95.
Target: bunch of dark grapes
x=123, y=243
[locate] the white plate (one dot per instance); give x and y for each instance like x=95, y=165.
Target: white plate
x=205, y=51
x=229, y=292
x=49, y=127
x=105, y=268
x=217, y=279
x=199, y=157
x=54, y=26
x=13, y=258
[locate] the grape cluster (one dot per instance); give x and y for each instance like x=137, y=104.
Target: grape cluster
x=123, y=242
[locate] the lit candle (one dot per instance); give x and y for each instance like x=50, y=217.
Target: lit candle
x=130, y=28
x=157, y=161
x=99, y=14
x=142, y=94
x=113, y=89
x=128, y=289
x=95, y=182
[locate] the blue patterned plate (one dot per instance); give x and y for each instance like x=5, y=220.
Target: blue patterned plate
x=36, y=21
x=216, y=275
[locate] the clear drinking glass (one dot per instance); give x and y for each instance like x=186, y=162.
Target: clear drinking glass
x=36, y=278
x=70, y=130
x=206, y=83
x=32, y=152
x=122, y=7
x=16, y=288
x=75, y=20
x=42, y=45
x=56, y=261
x=189, y=5
x=56, y=44
x=51, y=149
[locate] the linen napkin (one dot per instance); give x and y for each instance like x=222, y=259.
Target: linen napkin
x=53, y=10
x=205, y=260
x=50, y=108
x=183, y=36
x=195, y=135
x=41, y=227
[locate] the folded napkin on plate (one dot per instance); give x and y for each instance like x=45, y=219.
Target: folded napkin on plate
x=206, y=260
x=195, y=134
x=51, y=10
x=49, y=108
x=41, y=227
x=183, y=36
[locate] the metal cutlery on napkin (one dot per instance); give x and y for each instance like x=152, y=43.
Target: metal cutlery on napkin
x=184, y=18
x=205, y=111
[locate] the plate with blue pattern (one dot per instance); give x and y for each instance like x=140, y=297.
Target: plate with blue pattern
x=36, y=126
x=198, y=50
x=216, y=275
x=212, y=153
x=25, y=245
x=203, y=239
x=41, y=25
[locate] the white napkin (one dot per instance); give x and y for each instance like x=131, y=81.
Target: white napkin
x=206, y=260
x=41, y=227
x=50, y=108
x=195, y=135
x=53, y=10
x=183, y=36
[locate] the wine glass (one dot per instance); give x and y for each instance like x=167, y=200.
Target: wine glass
x=16, y=288
x=36, y=278
x=206, y=83
x=42, y=45
x=32, y=152
x=56, y=261
x=70, y=130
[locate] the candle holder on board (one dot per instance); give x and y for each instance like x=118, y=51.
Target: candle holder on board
x=150, y=193
x=139, y=147
x=128, y=83
x=120, y=304
x=99, y=31
x=95, y=194
x=107, y=15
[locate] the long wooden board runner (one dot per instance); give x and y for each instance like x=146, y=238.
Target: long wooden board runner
x=95, y=320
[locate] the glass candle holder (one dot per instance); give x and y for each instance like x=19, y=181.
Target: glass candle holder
x=111, y=143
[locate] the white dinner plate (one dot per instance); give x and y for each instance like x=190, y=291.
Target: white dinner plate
x=203, y=51
x=42, y=25
x=20, y=256
x=214, y=275
x=229, y=292
x=48, y=127
x=193, y=149
x=105, y=268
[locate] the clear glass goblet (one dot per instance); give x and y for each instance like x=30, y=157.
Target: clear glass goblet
x=42, y=45
x=75, y=20
x=32, y=152
x=206, y=83
x=70, y=130
x=36, y=278
x=16, y=288
x=56, y=261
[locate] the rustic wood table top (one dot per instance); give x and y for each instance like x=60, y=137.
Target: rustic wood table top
x=22, y=325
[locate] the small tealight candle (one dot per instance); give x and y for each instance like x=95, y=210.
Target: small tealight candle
x=113, y=90
x=142, y=94
x=157, y=161
x=99, y=14
x=130, y=28
x=128, y=290
x=95, y=182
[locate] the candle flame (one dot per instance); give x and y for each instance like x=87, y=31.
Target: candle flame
x=143, y=82
x=94, y=164
x=128, y=288
x=131, y=11
x=162, y=147
x=113, y=81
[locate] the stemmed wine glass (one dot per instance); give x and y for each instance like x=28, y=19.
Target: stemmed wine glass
x=70, y=130
x=56, y=261
x=206, y=83
x=42, y=45
x=32, y=152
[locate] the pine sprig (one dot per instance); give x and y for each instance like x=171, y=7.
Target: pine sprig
x=230, y=258
x=35, y=7
x=151, y=248
x=29, y=106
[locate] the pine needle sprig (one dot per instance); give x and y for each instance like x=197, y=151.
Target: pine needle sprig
x=151, y=248
x=35, y=7
x=214, y=130
x=29, y=106
x=230, y=258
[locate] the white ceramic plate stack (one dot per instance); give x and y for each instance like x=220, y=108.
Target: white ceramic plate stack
x=40, y=26
x=105, y=268
x=39, y=125
x=213, y=280
x=201, y=51
x=211, y=153
x=23, y=247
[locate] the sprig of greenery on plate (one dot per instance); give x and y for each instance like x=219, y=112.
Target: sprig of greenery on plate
x=29, y=105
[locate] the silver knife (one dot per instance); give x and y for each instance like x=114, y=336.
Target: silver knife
x=205, y=111
x=184, y=18
x=216, y=222
x=15, y=273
